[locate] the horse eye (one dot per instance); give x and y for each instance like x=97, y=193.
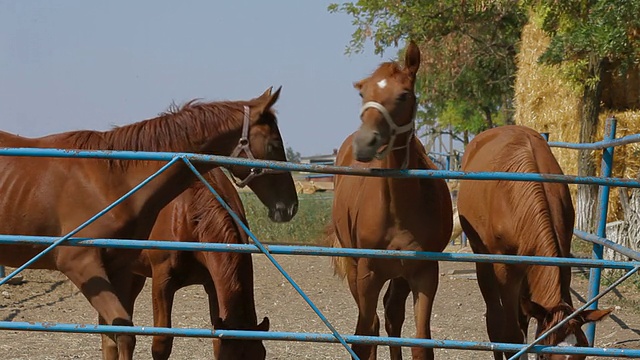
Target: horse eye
x=403, y=96
x=361, y=95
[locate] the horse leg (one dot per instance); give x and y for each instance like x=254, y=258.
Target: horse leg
x=368, y=286
x=523, y=321
x=510, y=295
x=163, y=290
x=214, y=313
x=424, y=285
x=85, y=269
x=109, y=347
x=490, y=290
x=394, y=311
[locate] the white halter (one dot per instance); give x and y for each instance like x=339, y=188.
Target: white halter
x=394, y=129
x=243, y=146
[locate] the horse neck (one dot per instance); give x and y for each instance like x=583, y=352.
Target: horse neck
x=235, y=293
x=205, y=128
x=401, y=190
x=232, y=272
x=194, y=128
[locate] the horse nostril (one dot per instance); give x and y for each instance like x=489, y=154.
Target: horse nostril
x=294, y=209
x=374, y=140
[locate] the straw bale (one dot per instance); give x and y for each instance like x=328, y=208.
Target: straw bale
x=546, y=102
x=620, y=89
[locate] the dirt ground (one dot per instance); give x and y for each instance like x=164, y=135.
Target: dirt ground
x=458, y=314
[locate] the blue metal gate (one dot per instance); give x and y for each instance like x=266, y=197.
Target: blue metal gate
x=597, y=263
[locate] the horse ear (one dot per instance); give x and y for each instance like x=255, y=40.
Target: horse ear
x=595, y=315
x=412, y=58
x=533, y=309
x=266, y=100
x=266, y=93
x=274, y=98
x=264, y=325
x=358, y=85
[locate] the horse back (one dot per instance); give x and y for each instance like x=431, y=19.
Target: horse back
x=511, y=216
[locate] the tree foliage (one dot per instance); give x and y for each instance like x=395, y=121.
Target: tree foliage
x=606, y=29
x=589, y=37
x=292, y=155
x=468, y=54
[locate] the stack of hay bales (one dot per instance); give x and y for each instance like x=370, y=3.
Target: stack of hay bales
x=310, y=187
x=547, y=102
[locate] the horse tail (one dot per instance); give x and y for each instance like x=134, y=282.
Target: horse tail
x=339, y=263
x=457, y=227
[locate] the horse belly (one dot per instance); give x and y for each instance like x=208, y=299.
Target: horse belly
x=27, y=207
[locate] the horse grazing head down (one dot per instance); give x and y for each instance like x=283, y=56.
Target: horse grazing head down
x=570, y=334
x=389, y=104
x=230, y=349
x=261, y=139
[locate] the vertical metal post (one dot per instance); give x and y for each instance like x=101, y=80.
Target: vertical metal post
x=603, y=203
x=448, y=165
x=16, y=280
x=545, y=135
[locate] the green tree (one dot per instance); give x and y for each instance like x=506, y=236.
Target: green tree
x=588, y=37
x=292, y=155
x=468, y=54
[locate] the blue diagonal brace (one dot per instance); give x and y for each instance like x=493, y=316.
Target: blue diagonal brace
x=575, y=313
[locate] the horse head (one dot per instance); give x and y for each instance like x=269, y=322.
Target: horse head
x=569, y=334
x=389, y=105
x=261, y=139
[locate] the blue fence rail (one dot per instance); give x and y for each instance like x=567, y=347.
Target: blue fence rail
x=310, y=337
x=596, y=264
x=320, y=251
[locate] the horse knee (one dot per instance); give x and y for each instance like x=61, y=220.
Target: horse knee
x=161, y=347
x=420, y=353
x=368, y=352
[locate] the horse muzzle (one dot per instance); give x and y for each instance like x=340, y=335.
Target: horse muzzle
x=282, y=212
x=366, y=144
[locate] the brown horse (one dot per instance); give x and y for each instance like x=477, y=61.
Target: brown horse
x=521, y=218
x=53, y=196
x=197, y=216
x=386, y=213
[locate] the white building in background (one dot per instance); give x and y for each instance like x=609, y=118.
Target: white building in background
x=329, y=159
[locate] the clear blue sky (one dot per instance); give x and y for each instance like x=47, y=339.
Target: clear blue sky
x=77, y=64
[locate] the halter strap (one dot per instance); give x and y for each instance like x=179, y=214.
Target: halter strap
x=243, y=146
x=395, y=131
x=243, y=143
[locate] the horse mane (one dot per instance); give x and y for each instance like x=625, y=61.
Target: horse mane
x=171, y=131
x=213, y=224
x=212, y=221
x=534, y=216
